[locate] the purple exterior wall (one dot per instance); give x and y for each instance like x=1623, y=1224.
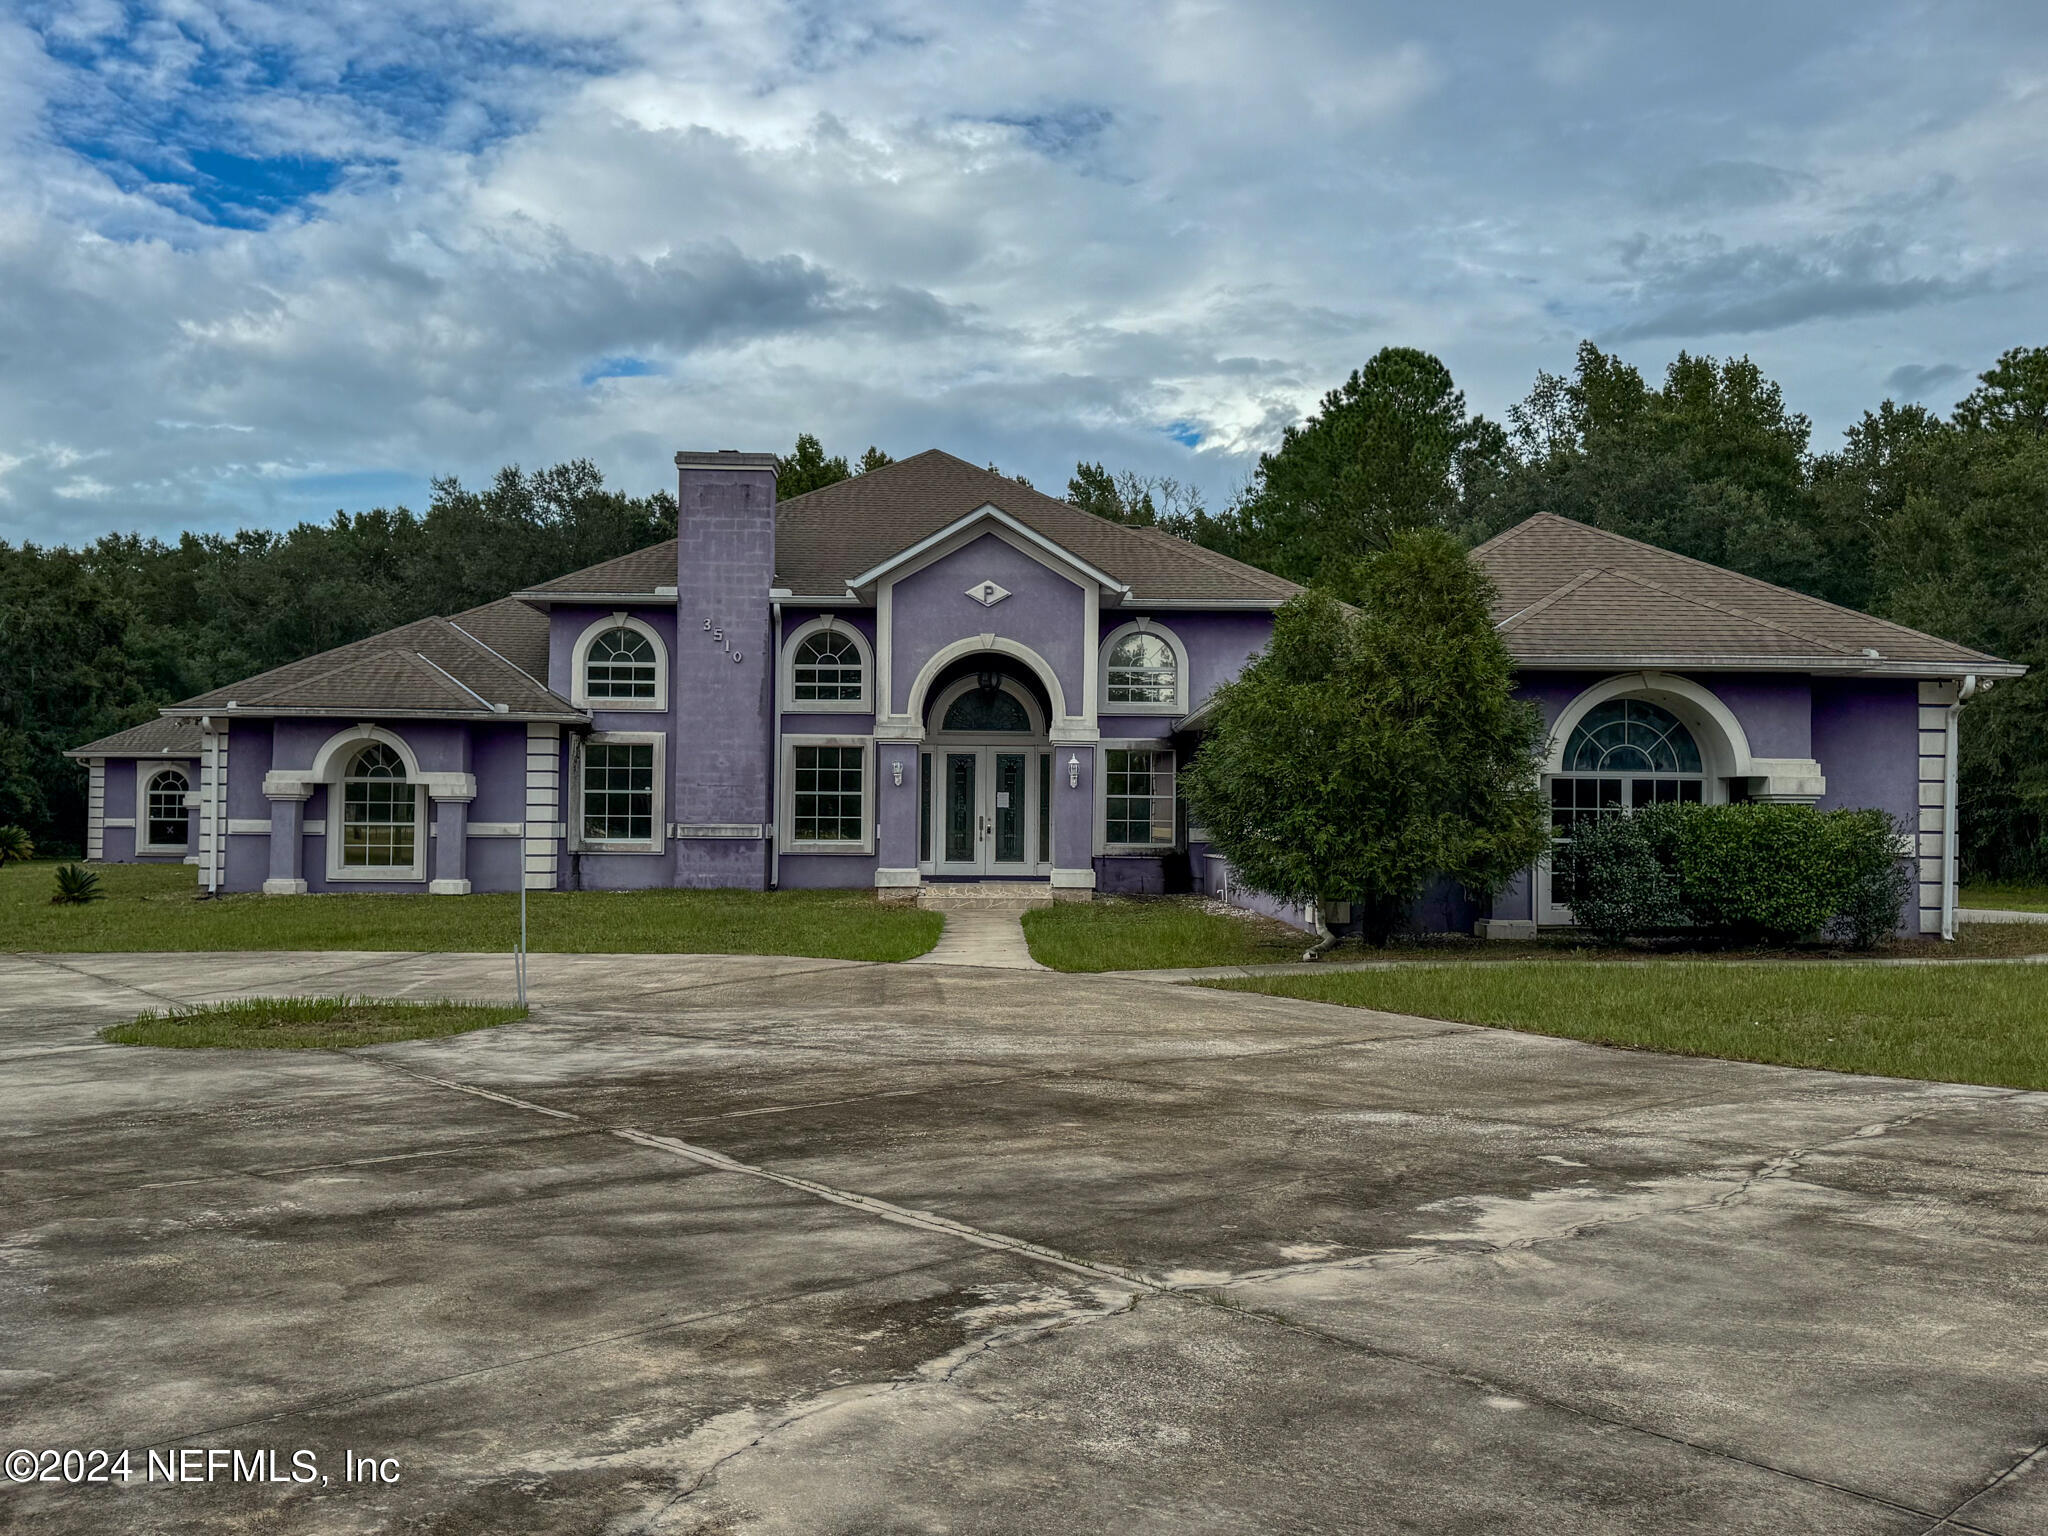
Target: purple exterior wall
x=930, y=609
x=1866, y=736
x=123, y=779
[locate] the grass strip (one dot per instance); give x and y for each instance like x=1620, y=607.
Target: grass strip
x=306, y=1023
x=1966, y=1024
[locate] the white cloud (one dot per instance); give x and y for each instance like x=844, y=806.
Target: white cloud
x=260, y=259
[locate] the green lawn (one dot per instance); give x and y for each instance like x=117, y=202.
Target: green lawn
x=1134, y=933
x=1131, y=933
x=156, y=907
x=1969, y=1024
x=306, y=1023
x=2008, y=896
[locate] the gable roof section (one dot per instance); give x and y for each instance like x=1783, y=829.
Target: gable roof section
x=826, y=538
x=1571, y=595
x=435, y=667
x=160, y=737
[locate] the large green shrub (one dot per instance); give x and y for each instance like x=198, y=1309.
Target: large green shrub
x=1878, y=877
x=1617, y=874
x=1757, y=873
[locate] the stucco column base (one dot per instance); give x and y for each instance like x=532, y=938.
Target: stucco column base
x=1072, y=893
x=1074, y=879
x=447, y=887
x=283, y=887
x=1505, y=928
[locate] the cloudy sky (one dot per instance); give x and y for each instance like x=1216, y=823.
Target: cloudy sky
x=258, y=262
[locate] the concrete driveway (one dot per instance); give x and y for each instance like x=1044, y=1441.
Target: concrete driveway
x=769, y=1245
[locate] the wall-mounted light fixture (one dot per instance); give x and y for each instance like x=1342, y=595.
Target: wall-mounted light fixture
x=896, y=774
x=1074, y=771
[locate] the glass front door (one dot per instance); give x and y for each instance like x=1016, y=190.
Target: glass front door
x=983, y=805
x=963, y=811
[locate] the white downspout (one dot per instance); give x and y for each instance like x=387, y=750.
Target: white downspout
x=1949, y=815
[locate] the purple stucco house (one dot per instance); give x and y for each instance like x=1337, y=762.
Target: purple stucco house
x=931, y=673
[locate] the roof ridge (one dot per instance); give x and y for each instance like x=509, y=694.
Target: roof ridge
x=1528, y=610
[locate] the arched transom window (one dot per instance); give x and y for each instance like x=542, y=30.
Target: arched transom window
x=827, y=667
x=1142, y=670
x=1631, y=736
x=986, y=709
x=166, y=825
x=620, y=665
x=378, y=811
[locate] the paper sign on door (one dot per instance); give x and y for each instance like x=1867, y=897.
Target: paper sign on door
x=1002, y=799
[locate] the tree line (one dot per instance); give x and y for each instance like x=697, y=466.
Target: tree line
x=1937, y=521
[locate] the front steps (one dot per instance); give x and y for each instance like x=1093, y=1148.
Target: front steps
x=985, y=895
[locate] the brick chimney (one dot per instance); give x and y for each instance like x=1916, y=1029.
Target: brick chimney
x=724, y=672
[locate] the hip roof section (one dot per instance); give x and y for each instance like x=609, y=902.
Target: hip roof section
x=1574, y=596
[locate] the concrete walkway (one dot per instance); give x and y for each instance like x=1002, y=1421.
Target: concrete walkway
x=1998, y=915
x=984, y=935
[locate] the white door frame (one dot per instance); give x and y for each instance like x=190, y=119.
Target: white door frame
x=985, y=750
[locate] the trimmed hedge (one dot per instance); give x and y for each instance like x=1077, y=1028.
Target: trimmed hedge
x=1770, y=873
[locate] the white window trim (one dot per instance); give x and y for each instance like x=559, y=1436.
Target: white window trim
x=1130, y=744
x=579, y=661
x=1143, y=626
x=786, y=672
x=578, y=843
x=786, y=799
x=146, y=770
x=422, y=818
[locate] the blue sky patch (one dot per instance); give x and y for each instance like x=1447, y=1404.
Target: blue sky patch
x=618, y=368
x=1186, y=433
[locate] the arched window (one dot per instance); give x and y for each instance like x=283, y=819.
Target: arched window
x=164, y=821
x=827, y=667
x=1631, y=736
x=986, y=709
x=1625, y=754
x=621, y=664
x=378, y=812
x=1144, y=671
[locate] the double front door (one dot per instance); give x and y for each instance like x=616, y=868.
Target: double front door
x=985, y=803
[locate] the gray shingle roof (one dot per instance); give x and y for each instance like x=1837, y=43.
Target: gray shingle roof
x=470, y=665
x=1571, y=595
x=161, y=737
x=827, y=537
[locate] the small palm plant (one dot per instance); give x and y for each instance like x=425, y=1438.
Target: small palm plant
x=76, y=885
x=15, y=846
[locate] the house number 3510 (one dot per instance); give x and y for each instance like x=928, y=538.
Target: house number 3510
x=718, y=636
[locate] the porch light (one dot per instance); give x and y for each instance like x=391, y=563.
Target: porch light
x=896, y=774
x=990, y=682
x=1074, y=771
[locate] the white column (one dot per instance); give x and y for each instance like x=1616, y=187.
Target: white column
x=1939, y=705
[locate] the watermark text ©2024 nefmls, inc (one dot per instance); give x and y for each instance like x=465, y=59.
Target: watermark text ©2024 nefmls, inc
x=196, y=1464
